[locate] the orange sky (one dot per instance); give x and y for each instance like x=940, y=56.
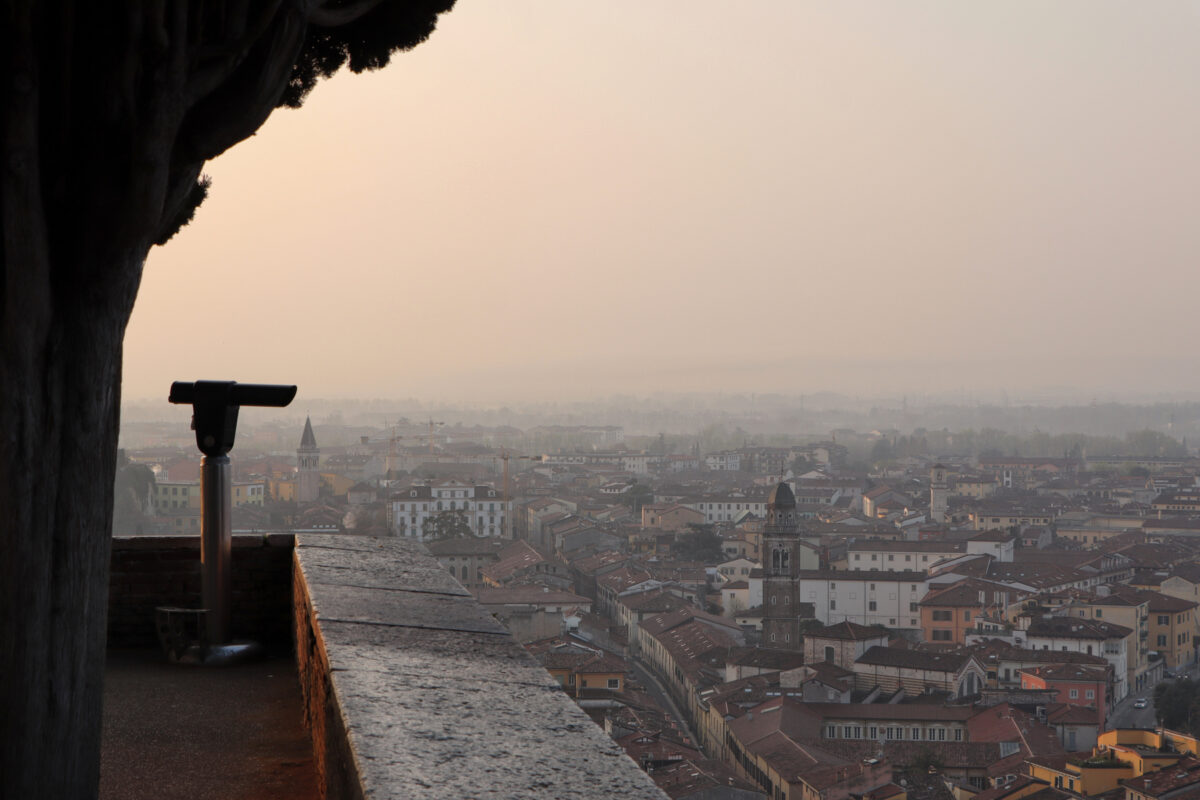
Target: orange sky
x=553, y=198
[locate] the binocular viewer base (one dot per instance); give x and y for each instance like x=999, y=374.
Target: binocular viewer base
x=183, y=637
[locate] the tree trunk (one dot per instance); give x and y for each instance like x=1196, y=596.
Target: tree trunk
x=57, y=464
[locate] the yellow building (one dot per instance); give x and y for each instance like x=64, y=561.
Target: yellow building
x=1131, y=609
x=1120, y=755
x=283, y=489
x=249, y=493
x=1172, y=627
x=1101, y=773
x=337, y=484
x=175, y=496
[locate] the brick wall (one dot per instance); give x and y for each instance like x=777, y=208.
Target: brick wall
x=151, y=571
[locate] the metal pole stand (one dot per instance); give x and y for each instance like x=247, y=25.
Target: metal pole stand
x=215, y=407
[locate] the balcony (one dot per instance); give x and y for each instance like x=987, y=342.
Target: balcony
x=408, y=688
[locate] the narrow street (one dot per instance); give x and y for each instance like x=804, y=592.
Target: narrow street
x=1126, y=716
x=656, y=690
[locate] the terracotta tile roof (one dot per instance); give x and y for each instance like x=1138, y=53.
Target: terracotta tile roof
x=913, y=659
x=1075, y=628
x=690, y=777
x=528, y=595
x=1168, y=604
x=1185, y=773
x=1075, y=673
x=846, y=631
x=1070, y=714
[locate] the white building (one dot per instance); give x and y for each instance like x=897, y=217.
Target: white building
x=730, y=461
x=727, y=509
x=865, y=598
x=1093, y=637
x=483, y=508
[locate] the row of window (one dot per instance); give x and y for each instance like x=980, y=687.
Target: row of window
x=891, y=557
x=833, y=588
x=452, y=506
x=896, y=733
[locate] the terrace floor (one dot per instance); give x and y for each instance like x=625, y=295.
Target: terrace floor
x=196, y=732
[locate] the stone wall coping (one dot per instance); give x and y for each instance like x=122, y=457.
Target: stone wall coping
x=436, y=699
x=191, y=541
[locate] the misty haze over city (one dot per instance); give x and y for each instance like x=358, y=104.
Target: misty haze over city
x=980, y=203
x=620, y=399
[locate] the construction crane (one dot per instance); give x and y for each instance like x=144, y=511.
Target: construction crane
x=504, y=456
x=390, y=463
x=431, y=425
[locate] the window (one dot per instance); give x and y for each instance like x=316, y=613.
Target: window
x=967, y=616
x=1074, y=694
x=872, y=587
x=1164, y=619
x=912, y=607
x=872, y=732
x=941, y=636
x=941, y=734
x=1090, y=694
x=1099, y=613
x=958, y=734
x=1162, y=641
x=870, y=605
x=831, y=732
x=833, y=605
x=941, y=615
x=915, y=734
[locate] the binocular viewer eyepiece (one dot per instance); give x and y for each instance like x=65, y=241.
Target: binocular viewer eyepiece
x=215, y=407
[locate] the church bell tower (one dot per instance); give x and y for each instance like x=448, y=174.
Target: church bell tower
x=308, y=460
x=781, y=564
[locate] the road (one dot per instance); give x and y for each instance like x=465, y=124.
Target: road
x=1126, y=716
x=655, y=689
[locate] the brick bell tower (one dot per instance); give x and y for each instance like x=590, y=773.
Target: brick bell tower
x=781, y=563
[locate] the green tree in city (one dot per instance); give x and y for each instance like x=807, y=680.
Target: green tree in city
x=446, y=525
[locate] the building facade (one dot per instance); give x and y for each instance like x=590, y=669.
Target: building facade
x=482, y=508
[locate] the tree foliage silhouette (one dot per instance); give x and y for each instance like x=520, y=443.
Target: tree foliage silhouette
x=108, y=112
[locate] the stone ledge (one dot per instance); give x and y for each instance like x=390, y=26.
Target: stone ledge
x=412, y=690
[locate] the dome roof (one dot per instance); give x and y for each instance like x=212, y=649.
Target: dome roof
x=781, y=497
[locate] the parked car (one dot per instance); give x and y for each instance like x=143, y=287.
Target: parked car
x=1139, y=703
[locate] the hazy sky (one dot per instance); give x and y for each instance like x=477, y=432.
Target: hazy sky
x=552, y=197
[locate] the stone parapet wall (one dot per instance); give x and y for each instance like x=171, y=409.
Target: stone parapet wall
x=413, y=690
x=151, y=571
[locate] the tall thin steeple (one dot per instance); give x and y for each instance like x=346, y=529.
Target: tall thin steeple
x=308, y=460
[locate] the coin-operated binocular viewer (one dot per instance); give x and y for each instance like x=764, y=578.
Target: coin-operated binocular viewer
x=215, y=407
